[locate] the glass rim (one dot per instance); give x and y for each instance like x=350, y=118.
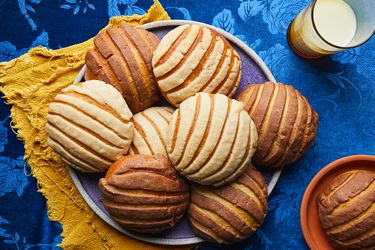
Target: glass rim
x=329, y=43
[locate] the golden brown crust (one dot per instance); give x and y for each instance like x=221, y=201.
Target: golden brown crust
x=192, y=59
x=285, y=120
x=122, y=57
x=144, y=193
x=347, y=210
x=229, y=213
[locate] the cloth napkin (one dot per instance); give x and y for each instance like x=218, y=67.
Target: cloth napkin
x=29, y=83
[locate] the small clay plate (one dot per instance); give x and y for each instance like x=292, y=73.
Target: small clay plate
x=312, y=231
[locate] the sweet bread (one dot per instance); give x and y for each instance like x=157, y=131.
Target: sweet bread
x=195, y=58
x=122, y=57
x=88, y=126
x=347, y=210
x=285, y=121
x=211, y=139
x=144, y=193
x=150, y=131
x=230, y=213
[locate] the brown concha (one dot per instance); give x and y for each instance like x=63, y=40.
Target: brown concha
x=285, y=121
x=347, y=210
x=144, y=193
x=122, y=57
x=230, y=213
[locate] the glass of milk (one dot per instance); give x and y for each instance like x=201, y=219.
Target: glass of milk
x=328, y=26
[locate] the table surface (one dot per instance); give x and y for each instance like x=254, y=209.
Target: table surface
x=340, y=88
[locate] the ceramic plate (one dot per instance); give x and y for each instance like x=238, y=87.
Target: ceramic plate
x=253, y=71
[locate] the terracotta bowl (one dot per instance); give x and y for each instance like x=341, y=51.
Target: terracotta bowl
x=312, y=231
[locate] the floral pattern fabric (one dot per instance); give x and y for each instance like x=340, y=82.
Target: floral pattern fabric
x=340, y=88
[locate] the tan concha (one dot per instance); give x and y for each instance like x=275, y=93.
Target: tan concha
x=285, y=121
x=122, y=57
x=195, y=58
x=150, y=131
x=347, y=210
x=211, y=139
x=88, y=126
x=230, y=213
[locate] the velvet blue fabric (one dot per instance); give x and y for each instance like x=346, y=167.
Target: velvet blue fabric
x=340, y=88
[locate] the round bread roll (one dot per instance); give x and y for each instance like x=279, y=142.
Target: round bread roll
x=122, y=57
x=150, y=131
x=211, y=139
x=285, y=121
x=144, y=193
x=195, y=58
x=88, y=126
x=347, y=210
x=230, y=213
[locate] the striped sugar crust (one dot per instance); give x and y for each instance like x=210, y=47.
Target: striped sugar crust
x=150, y=131
x=88, y=126
x=122, y=57
x=194, y=58
x=285, y=121
x=211, y=139
x=230, y=213
x=144, y=193
x=347, y=210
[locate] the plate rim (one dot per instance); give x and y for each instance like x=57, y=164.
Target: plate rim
x=157, y=240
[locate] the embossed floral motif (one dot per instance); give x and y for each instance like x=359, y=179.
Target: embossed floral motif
x=288, y=194
x=343, y=88
x=364, y=63
x=225, y=21
x=77, y=5
x=259, y=241
x=26, y=8
x=8, y=51
x=3, y=135
x=12, y=176
x=124, y=7
x=275, y=58
x=41, y=40
x=277, y=14
x=347, y=56
x=7, y=237
x=178, y=13
x=254, y=45
x=18, y=242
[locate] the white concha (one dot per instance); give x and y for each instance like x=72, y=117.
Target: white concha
x=195, y=58
x=88, y=125
x=211, y=139
x=150, y=131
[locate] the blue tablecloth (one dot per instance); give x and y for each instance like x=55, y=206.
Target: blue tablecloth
x=340, y=88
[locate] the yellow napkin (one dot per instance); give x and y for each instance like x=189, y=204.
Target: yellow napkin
x=30, y=83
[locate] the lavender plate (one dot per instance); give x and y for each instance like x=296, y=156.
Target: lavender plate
x=253, y=71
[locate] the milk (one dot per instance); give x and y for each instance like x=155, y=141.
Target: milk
x=323, y=28
x=335, y=21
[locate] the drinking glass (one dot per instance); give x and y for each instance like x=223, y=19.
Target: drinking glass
x=328, y=26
